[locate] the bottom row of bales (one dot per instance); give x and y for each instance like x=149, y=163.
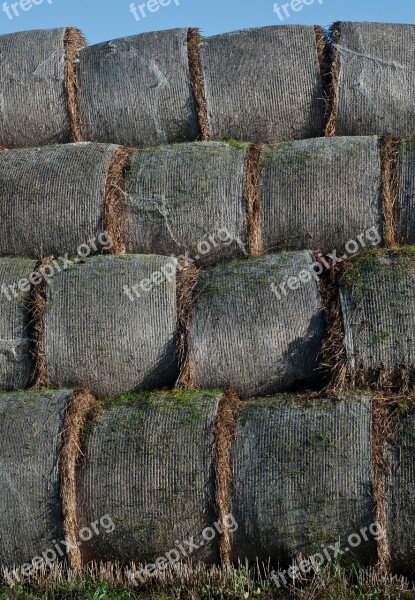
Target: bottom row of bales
x=302, y=478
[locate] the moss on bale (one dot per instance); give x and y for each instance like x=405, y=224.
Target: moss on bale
x=149, y=463
x=302, y=476
x=188, y=198
x=243, y=337
x=376, y=295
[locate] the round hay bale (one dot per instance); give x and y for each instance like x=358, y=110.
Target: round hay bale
x=149, y=465
x=52, y=199
x=264, y=84
x=375, y=75
x=376, y=294
x=136, y=90
x=102, y=338
x=406, y=191
x=188, y=198
x=243, y=336
x=400, y=498
x=37, y=98
x=30, y=514
x=15, y=363
x=320, y=193
x=302, y=477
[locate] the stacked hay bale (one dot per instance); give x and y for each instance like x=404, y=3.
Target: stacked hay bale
x=244, y=336
x=302, y=477
x=405, y=202
x=149, y=464
x=293, y=473
x=282, y=65
x=137, y=90
x=99, y=337
x=38, y=87
x=15, y=333
x=30, y=514
x=376, y=295
x=53, y=199
x=320, y=193
x=188, y=199
x=399, y=496
x=373, y=79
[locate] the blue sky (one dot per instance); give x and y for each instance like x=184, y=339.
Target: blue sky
x=102, y=20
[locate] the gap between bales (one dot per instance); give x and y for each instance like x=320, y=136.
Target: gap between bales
x=390, y=197
x=186, y=293
x=81, y=403
x=73, y=42
x=230, y=407
x=36, y=309
x=194, y=40
x=333, y=38
x=252, y=191
x=115, y=209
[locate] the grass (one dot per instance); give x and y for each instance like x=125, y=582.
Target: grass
x=332, y=582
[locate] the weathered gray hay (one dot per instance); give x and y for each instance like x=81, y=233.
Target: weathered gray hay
x=375, y=79
x=263, y=85
x=149, y=465
x=30, y=515
x=376, y=296
x=320, y=193
x=137, y=91
x=406, y=192
x=302, y=477
x=181, y=196
x=243, y=337
x=52, y=199
x=400, y=497
x=108, y=340
x=15, y=364
x=37, y=91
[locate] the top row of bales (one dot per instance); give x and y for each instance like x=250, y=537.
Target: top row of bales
x=174, y=86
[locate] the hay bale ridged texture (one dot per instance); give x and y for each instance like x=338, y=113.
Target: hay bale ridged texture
x=136, y=90
x=263, y=85
x=99, y=338
x=320, y=193
x=179, y=196
x=15, y=364
x=406, y=191
x=34, y=108
x=302, y=477
x=376, y=79
x=30, y=515
x=400, y=498
x=52, y=199
x=243, y=337
x=149, y=465
x=377, y=299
